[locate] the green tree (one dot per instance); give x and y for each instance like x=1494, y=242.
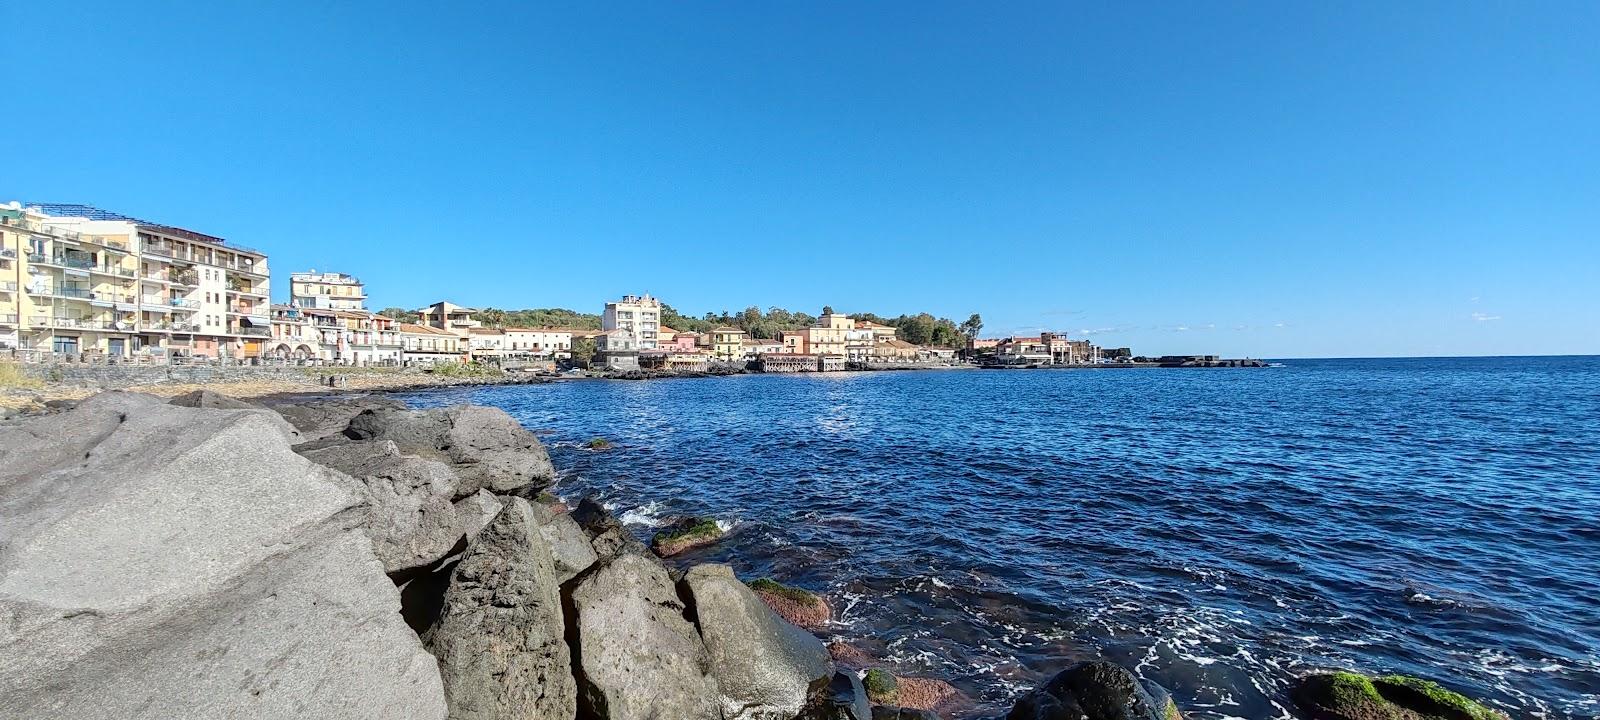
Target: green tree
x=582, y=351
x=972, y=326
x=401, y=314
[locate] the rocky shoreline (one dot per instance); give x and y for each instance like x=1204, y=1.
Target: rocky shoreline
x=348, y=557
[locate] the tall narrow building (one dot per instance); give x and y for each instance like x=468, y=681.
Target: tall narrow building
x=637, y=315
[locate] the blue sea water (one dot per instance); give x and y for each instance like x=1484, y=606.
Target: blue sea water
x=1221, y=531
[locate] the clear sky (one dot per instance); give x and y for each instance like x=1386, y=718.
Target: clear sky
x=1272, y=179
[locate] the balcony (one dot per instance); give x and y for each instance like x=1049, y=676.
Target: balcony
x=8, y=319
x=186, y=327
x=113, y=271
x=185, y=303
x=8, y=253
x=8, y=286
x=253, y=331
x=187, y=278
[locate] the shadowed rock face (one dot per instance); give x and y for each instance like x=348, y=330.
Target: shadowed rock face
x=487, y=448
x=410, y=517
x=764, y=667
x=141, y=580
x=1091, y=691
x=607, y=535
x=318, y=419
x=569, y=546
x=500, y=638
x=638, y=658
x=843, y=698
x=885, y=712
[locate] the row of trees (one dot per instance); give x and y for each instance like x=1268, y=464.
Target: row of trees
x=919, y=329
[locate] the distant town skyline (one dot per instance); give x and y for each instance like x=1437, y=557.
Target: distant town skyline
x=1263, y=181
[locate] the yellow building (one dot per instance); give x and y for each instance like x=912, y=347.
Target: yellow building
x=829, y=335
x=727, y=343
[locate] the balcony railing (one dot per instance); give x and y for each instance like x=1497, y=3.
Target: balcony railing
x=186, y=303
x=8, y=286
x=186, y=327
x=189, y=277
x=7, y=253
x=253, y=331
x=8, y=318
x=74, y=293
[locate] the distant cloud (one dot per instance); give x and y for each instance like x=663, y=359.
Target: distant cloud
x=1180, y=328
x=1484, y=317
x=1279, y=324
x=1475, y=298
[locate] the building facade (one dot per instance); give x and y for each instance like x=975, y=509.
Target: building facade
x=425, y=345
x=92, y=283
x=637, y=315
x=727, y=343
x=327, y=291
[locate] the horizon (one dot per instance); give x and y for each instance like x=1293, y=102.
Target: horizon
x=1272, y=182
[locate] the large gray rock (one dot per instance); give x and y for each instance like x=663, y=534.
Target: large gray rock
x=843, y=698
x=166, y=562
x=607, y=535
x=764, y=666
x=1095, y=690
x=477, y=510
x=320, y=418
x=410, y=516
x=568, y=544
x=639, y=659
x=487, y=447
x=500, y=639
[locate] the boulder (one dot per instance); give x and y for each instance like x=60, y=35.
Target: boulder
x=1351, y=696
x=1089, y=691
x=410, y=517
x=638, y=657
x=801, y=607
x=476, y=510
x=764, y=666
x=167, y=562
x=686, y=534
x=485, y=445
x=500, y=638
x=844, y=654
x=843, y=698
x=607, y=535
x=570, y=547
x=317, y=419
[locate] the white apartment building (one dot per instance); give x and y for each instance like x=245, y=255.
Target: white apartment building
x=99, y=283
x=538, y=342
x=639, y=316
x=327, y=291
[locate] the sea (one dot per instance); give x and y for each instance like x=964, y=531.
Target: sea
x=1219, y=531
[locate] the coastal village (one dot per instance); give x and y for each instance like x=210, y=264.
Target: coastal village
x=79, y=283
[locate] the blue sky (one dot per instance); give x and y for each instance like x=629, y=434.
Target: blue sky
x=1263, y=179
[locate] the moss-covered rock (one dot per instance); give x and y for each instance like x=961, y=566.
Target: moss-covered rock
x=882, y=687
x=800, y=607
x=598, y=443
x=686, y=534
x=1352, y=696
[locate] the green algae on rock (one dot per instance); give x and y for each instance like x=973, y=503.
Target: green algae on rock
x=686, y=534
x=1352, y=696
x=882, y=687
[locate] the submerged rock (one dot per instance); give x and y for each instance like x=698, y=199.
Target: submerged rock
x=887, y=712
x=844, y=654
x=1350, y=696
x=638, y=657
x=487, y=448
x=410, y=518
x=843, y=698
x=500, y=638
x=801, y=607
x=924, y=693
x=168, y=562
x=1091, y=691
x=882, y=687
x=764, y=667
x=686, y=534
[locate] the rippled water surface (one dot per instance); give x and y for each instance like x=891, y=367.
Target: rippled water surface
x=1220, y=530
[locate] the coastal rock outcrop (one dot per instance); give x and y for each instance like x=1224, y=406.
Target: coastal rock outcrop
x=1350, y=696
x=500, y=638
x=637, y=656
x=607, y=535
x=843, y=698
x=487, y=447
x=916, y=693
x=1094, y=690
x=410, y=518
x=764, y=666
x=801, y=607
x=686, y=534
x=139, y=579
x=889, y=712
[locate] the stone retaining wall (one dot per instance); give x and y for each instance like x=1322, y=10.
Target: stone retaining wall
x=119, y=376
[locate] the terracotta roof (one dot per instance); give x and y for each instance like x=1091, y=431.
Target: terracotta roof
x=424, y=330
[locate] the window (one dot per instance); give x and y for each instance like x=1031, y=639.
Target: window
x=65, y=344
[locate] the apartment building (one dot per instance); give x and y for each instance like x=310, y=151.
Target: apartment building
x=637, y=315
x=485, y=343
x=538, y=342
x=727, y=343
x=449, y=316
x=97, y=283
x=327, y=291
x=830, y=334
x=425, y=345
x=294, y=337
